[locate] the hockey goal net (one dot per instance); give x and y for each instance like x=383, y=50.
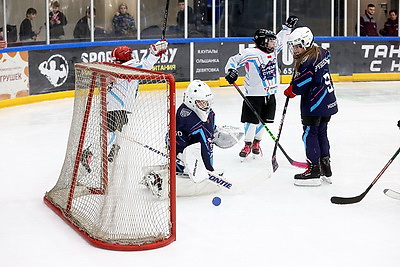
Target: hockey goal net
x=117, y=183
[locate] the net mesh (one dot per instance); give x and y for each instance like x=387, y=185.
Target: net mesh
x=118, y=135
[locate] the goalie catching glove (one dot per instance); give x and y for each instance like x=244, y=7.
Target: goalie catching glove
x=159, y=48
x=227, y=136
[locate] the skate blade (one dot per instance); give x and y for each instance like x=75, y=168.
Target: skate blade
x=307, y=182
x=326, y=179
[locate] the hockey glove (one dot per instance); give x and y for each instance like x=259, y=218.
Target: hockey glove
x=227, y=136
x=291, y=22
x=159, y=48
x=232, y=76
x=289, y=92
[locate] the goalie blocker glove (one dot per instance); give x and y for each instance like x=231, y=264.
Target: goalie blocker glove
x=291, y=22
x=232, y=76
x=159, y=48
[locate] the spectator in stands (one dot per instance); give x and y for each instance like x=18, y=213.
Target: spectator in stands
x=180, y=17
x=391, y=27
x=11, y=31
x=25, y=29
x=82, y=27
x=57, y=21
x=123, y=23
x=368, y=25
x=3, y=44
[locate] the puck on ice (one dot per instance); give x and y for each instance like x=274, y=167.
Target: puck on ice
x=216, y=201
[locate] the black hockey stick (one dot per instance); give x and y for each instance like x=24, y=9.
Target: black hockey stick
x=275, y=164
x=303, y=165
x=165, y=20
x=351, y=200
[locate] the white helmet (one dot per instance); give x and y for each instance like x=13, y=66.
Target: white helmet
x=301, y=36
x=199, y=98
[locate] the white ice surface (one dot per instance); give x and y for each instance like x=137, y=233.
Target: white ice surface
x=272, y=224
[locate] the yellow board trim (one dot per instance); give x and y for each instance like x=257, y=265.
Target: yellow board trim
x=285, y=79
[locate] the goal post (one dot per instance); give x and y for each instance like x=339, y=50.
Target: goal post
x=117, y=184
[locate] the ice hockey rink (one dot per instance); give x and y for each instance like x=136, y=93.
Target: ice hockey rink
x=271, y=223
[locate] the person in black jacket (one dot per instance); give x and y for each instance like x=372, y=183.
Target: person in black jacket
x=82, y=27
x=25, y=30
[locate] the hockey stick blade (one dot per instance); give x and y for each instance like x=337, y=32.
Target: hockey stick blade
x=349, y=200
x=391, y=193
x=275, y=164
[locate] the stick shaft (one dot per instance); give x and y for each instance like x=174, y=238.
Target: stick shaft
x=165, y=20
x=294, y=163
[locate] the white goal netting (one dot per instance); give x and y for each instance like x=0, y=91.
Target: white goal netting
x=117, y=184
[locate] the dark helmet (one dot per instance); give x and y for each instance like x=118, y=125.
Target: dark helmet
x=261, y=38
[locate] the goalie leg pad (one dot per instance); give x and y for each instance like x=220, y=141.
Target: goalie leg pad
x=194, y=164
x=185, y=187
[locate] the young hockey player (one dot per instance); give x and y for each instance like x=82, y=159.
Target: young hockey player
x=261, y=82
x=121, y=95
x=196, y=135
x=313, y=82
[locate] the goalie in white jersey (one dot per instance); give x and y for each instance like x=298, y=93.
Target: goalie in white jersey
x=261, y=81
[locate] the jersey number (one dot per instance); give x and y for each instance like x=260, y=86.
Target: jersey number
x=328, y=83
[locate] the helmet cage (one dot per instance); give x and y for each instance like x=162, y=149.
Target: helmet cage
x=199, y=98
x=261, y=39
x=301, y=37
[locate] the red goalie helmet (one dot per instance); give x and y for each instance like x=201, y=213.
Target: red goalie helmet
x=121, y=54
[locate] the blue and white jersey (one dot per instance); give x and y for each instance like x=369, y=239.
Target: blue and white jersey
x=122, y=92
x=262, y=73
x=314, y=83
x=190, y=129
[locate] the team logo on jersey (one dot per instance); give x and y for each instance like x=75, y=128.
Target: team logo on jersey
x=185, y=112
x=55, y=69
x=268, y=71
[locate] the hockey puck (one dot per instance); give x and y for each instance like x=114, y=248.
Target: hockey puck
x=216, y=201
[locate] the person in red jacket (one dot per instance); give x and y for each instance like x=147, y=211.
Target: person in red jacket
x=391, y=27
x=368, y=25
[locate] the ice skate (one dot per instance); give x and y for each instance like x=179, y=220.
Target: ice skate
x=86, y=159
x=245, y=151
x=153, y=181
x=326, y=171
x=113, y=152
x=311, y=177
x=255, y=148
